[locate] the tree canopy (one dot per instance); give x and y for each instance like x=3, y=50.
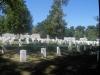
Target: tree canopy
x=54, y=24
x=17, y=18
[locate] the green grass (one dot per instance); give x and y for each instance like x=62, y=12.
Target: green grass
x=52, y=65
x=30, y=57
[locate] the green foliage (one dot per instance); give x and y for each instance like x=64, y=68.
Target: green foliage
x=0, y=42
x=51, y=48
x=79, y=32
x=41, y=29
x=69, y=32
x=17, y=17
x=54, y=25
x=98, y=26
x=1, y=24
x=91, y=33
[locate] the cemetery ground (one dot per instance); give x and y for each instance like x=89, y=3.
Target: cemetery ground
x=52, y=65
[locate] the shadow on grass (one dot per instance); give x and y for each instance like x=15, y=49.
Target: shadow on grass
x=65, y=65
x=8, y=67
x=68, y=65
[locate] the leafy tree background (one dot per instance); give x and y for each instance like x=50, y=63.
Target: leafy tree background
x=54, y=24
x=17, y=18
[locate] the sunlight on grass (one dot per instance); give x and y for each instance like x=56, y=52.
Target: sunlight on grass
x=30, y=58
x=25, y=73
x=49, y=69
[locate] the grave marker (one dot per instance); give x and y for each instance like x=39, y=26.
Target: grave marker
x=2, y=51
x=43, y=52
x=78, y=47
x=58, y=51
x=23, y=56
x=27, y=40
x=20, y=43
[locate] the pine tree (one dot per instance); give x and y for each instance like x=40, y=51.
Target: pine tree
x=54, y=24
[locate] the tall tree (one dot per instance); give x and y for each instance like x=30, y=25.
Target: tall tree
x=91, y=32
x=18, y=18
x=69, y=32
x=79, y=32
x=1, y=24
x=54, y=24
x=98, y=26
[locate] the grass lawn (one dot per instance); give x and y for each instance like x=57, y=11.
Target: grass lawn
x=52, y=65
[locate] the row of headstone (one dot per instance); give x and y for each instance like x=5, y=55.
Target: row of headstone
x=23, y=54
x=11, y=38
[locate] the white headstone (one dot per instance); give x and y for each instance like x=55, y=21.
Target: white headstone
x=2, y=51
x=58, y=51
x=23, y=56
x=78, y=47
x=84, y=47
x=56, y=38
x=27, y=40
x=20, y=43
x=36, y=36
x=69, y=45
x=69, y=38
x=43, y=52
x=48, y=37
x=83, y=39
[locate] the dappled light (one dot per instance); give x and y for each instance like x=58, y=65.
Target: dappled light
x=64, y=65
x=54, y=44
